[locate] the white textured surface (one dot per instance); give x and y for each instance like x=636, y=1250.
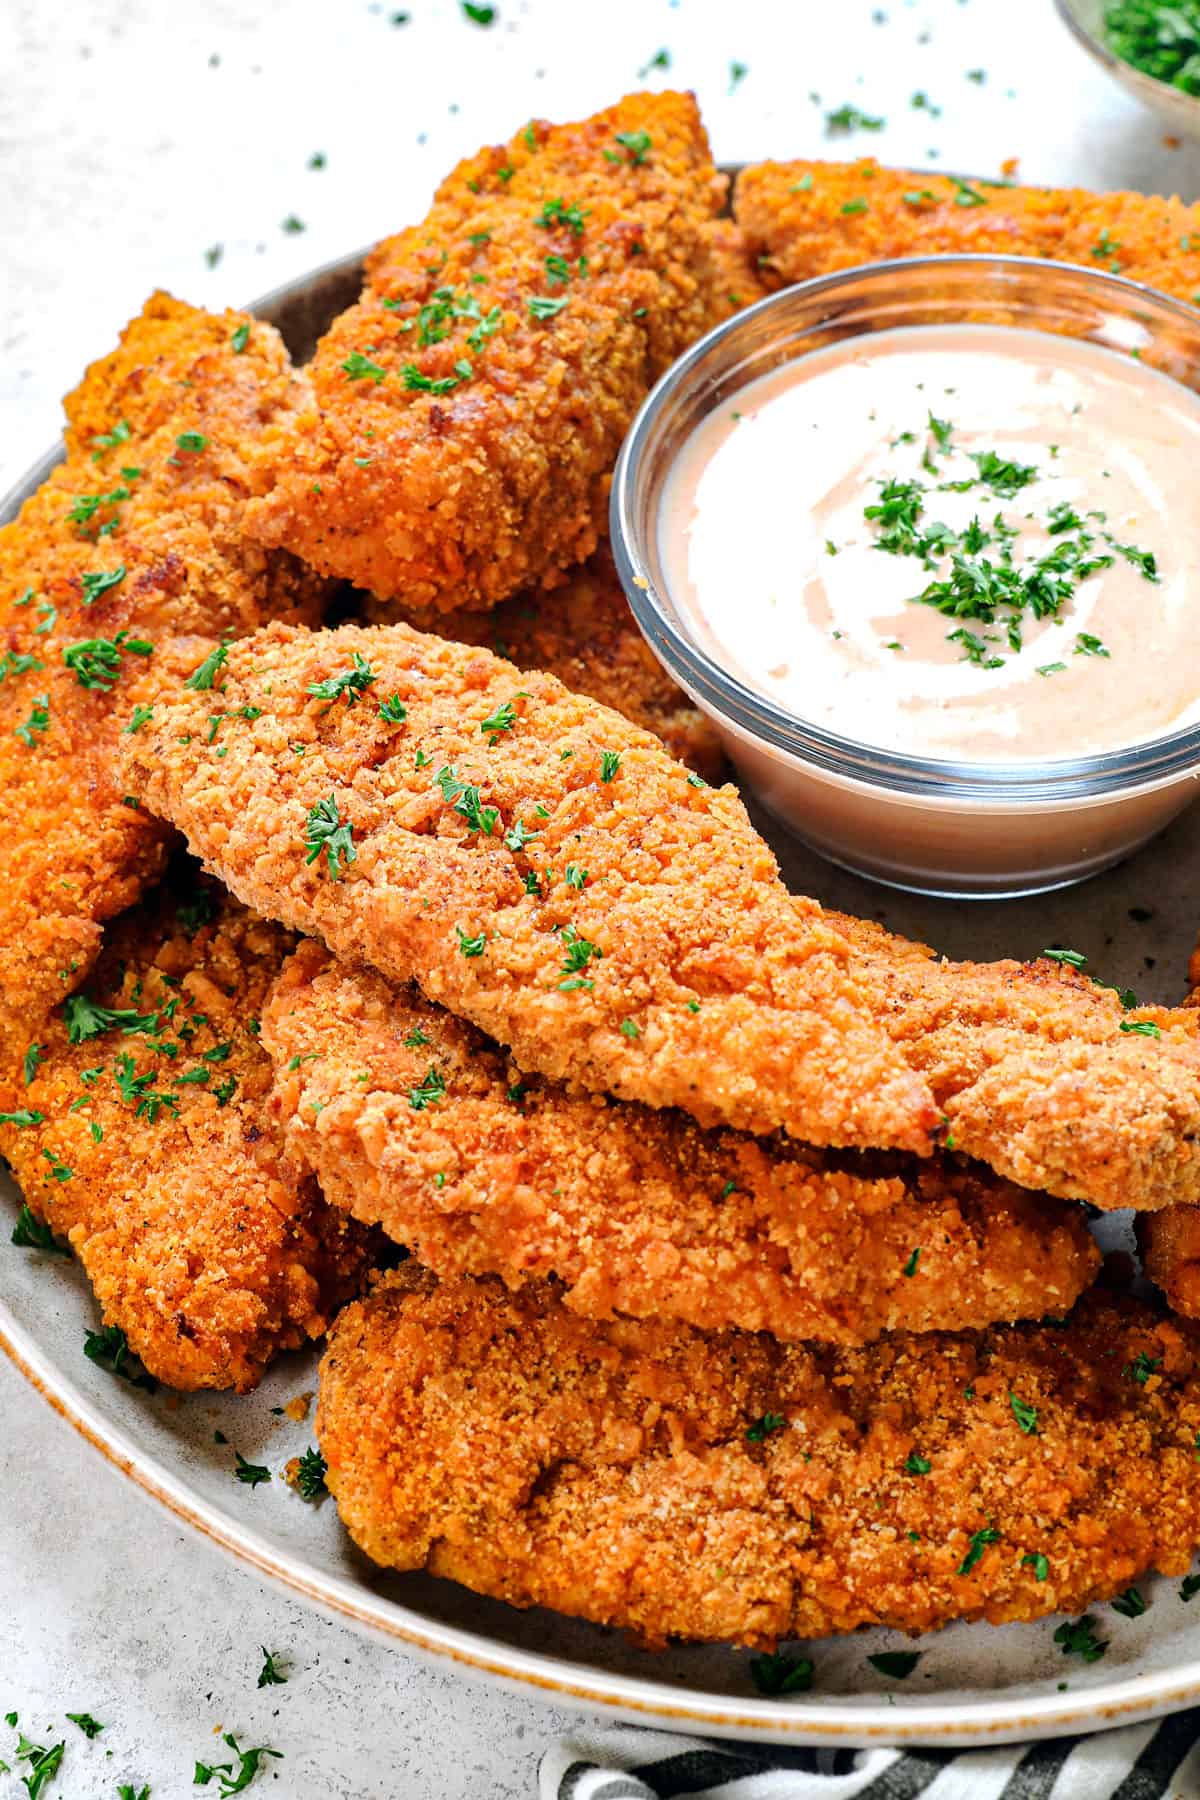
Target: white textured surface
x=133, y=136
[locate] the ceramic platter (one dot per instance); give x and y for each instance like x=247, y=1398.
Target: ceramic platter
x=973, y=1684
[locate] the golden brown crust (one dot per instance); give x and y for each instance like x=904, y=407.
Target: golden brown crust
x=743, y=1009
x=73, y=853
x=414, y=1121
x=464, y=497
x=585, y=634
x=799, y=218
x=607, y=1471
x=202, y=1242
x=1044, y=1074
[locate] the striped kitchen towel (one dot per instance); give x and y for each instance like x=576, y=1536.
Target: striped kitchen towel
x=1155, y=1761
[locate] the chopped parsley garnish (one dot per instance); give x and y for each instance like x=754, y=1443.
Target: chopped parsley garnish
x=1087, y=645
x=762, y=1428
x=270, y=1675
x=43, y=1763
x=22, y=1119
x=393, y=710
x=350, y=685
x=1003, y=476
x=109, y=440
x=965, y=194
x=1079, y=1639
x=30, y=1234
x=848, y=118
x=1142, y=1368
x=444, y=384
x=1163, y=41
x=109, y=1349
x=135, y=1090
x=85, y=1019
x=556, y=213
x=96, y=662
x=978, y=1544
x=30, y=1061
x=311, y=1469
x=85, y=508
x=58, y=1169
x=897, y=1663
x=500, y=721
x=1140, y=1027
x=11, y=663
x=201, y=679
x=636, y=145
x=37, y=722
x=781, y=1674
x=99, y=582
x=233, y=1781
x=471, y=946
x=1025, y=1415
x=358, y=367
x=191, y=442
x=574, y=876
x=1038, y=1563
x=578, y=953
x=140, y=716
x=326, y=830
x=478, y=15
x=610, y=762
x=858, y=205
x=916, y=1464
x=1189, y=1587
x=240, y=339
x=251, y=1474
x=910, y=1267
x=465, y=801
x=90, y=1727
x=1130, y=1604
x=428, y=1091
x=542, y=307
x=628, y=1029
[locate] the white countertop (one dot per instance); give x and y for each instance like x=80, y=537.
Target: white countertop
x=133, y=138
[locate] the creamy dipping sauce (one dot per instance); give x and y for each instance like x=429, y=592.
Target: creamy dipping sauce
x=1041, y=493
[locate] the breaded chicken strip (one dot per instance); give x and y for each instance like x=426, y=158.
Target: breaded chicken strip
x=727, y=1486
x=738, y=281
x=586, y=635
x=135, y=537
x=1042, y=1072
x=1169, y=1242
x=414, y=1121
x=808, y=218
x=141, y=1132
x=536, y=864
x=469, y=409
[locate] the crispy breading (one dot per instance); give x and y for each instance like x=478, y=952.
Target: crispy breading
x=469, y=408
x=415, y=1122
x=160, y=458
x=726, y=1486
x=148, y=1142
x=586, y=635
x=1169, y=1242
x=799, y=218
x=1042, y=1072
x=738, y=281
x=538, y=865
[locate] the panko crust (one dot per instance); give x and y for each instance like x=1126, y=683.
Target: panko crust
x=672, y=922
x=585, y=634
x=74, y=853
x=1039, y=1073
x=797, y=217
x=499, y=481
x=208, y=1248
x=413, y=1121
x=608, y=1471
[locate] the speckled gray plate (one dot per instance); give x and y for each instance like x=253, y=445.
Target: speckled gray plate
x=973, y=1683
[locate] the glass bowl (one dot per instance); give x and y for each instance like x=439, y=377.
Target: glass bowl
x=952, y=828
x=1084, y=19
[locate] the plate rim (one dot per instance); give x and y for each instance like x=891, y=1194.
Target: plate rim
x=554, y=1680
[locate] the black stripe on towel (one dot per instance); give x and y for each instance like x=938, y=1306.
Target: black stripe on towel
x=1151, y=1773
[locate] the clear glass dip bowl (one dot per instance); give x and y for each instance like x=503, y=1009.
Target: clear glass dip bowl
x=953, y=828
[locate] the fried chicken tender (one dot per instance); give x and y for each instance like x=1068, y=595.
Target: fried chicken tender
x=536, y=864
x=469, y=408
x=1042, y=1073
x=136, y=536
x=586, y=635
x=1169, y=1242
x=796, y=217
x=414, y=1121
x=727, y=1486
x=142, y=1135
x=737, y=278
